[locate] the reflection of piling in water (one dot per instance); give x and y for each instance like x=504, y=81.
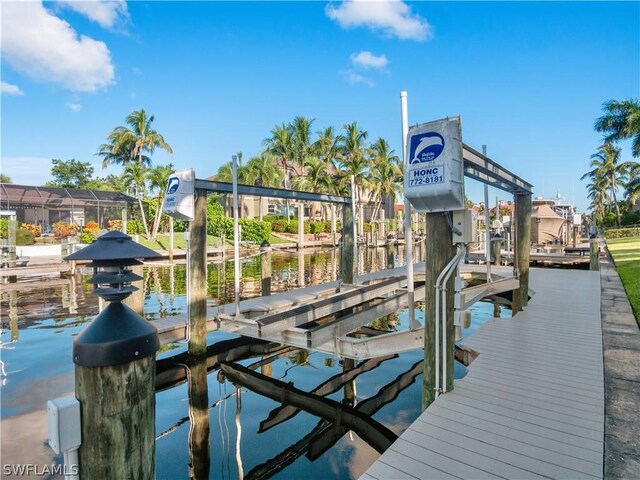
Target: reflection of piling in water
x=199, y=447
x=13, y=315
x=390, y=251
x=350, y=386
x=265, y=273
x=135, y=301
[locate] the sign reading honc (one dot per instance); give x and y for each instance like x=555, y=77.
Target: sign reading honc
x=179, y=200
x=434, y=171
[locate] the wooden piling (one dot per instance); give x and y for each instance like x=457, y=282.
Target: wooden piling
x=522, y=250
x=496, y=246
x=348, y=242
x=300, y=225
x=439, y=250
x=265, y=273
x=594, y=252
x=170, y=239
x=349, y=387
x=117, y=405
x=12, y=235
x=198, y=277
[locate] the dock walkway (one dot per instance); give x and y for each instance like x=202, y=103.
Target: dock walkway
x=532, y=403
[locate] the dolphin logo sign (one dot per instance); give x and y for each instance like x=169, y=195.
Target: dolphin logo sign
x=173, y=185
x=425, y=147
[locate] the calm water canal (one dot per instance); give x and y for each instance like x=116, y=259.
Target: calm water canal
x=206, y=426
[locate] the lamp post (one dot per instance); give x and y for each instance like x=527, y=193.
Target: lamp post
x=115, y=368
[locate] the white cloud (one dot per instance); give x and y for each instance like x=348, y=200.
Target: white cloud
x=9, y=89
x=136, y=70
x=393, y=17
x=355, y=78
x=369, y=60
x=74, y=107
x=106, y=14
x=46, y=48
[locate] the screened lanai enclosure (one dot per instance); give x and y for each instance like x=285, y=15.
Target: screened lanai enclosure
x=45, y=206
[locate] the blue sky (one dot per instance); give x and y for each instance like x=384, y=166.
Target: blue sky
x=528, y=79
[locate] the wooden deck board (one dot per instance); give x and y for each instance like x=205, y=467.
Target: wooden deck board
x=532, y=403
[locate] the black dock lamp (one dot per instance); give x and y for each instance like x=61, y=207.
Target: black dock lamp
x=115, y=367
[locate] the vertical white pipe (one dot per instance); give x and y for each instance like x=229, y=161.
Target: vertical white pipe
x=453, y=266
x=487, y=235
x=236, y=234
x=71, y=467
x=408, y=236
x=354, y=202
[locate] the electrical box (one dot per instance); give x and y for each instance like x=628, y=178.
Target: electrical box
x=462, y=231
x=434, y=174
x=64, y=424
x=179, y=199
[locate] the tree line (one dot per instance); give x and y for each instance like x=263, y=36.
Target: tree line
x=293, y=157
x=620, y=121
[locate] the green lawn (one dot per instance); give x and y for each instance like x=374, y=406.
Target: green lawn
x=626, y=255
x=162, y=241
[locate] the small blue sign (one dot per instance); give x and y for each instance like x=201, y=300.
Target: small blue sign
x=425, y=147
x=172, y=187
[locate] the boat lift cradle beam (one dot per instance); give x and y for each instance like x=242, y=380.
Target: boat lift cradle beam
x=256, y=191
x=482, y=168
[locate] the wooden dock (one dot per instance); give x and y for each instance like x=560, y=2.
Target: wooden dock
x=531, y=404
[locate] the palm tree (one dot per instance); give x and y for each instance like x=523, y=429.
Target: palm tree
x=607, y=170
x=386, y=174
x=158, y=178
x=353, y=161
x=632, y=188
x=597, y=192
x=263, y=171
x=135, y=143
x=621, y=121
x=302, y=146
x=135, y=176
x=281, y=145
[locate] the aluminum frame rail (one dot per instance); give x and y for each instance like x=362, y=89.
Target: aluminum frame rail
x=482, y=168
x=252, y=190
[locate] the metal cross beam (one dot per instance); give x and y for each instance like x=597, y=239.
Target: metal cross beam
x=224, y=187
x=482, y=168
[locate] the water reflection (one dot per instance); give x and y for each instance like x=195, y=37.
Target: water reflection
x=207, y=429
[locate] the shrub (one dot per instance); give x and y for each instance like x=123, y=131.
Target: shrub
x=35, y=229
x=89, y=235
x=318, y=227
x=61, y=230
x=4, y=227
x=292, y=227
x=114, y=225
x=253, y=230
x=134, y=227
x=25, y=237
x=630, y=218
x=622, y=232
